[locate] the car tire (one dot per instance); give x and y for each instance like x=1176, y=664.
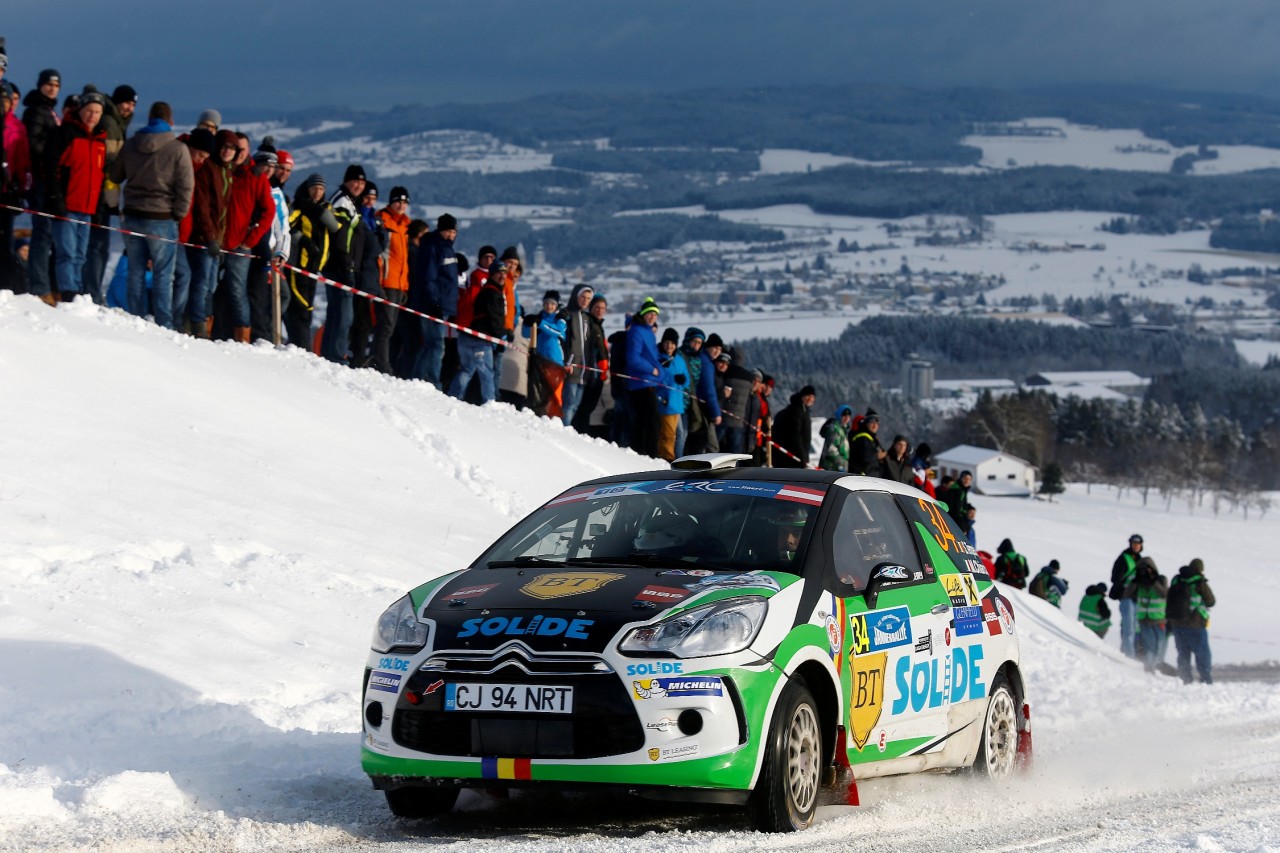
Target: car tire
x=417, y=802
x=998, y=743
x=786, y=795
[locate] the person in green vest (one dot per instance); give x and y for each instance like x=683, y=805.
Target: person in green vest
x=1011, y=567
x=1048, y=585
x=1123, y=589
x=1188, y=613
x=835, y=434
x=1152, y=590
x=1094, y=612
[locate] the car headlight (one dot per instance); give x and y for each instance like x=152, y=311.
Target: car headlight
x=720, y=628
x=399, y=627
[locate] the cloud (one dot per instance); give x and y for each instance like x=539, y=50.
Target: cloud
x=291, y=54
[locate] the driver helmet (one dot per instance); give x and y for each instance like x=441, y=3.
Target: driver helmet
x=665, y=532
x=796, y=516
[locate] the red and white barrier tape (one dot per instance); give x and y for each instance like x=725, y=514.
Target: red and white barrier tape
x=759, y=433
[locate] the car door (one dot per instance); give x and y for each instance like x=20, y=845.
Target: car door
x=896, y=616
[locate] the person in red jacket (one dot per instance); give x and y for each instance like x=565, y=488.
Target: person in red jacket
x=73, y=165
x=250, y=210
x=15, y=183
x=200, y=145
x=208, y=229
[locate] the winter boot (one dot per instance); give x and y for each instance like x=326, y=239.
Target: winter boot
x=67, y=296
x=208, y=328
x=241, y=334
x=50, y=299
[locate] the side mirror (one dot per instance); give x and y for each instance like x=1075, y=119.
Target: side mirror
x=882, y=574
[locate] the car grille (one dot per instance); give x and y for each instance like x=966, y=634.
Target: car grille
x=604, y=720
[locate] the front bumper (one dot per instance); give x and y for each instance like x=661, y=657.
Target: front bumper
x=622, y=732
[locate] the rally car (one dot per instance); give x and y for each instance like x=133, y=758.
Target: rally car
x=709, y=633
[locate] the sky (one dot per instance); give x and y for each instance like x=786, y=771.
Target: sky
x=287, y=54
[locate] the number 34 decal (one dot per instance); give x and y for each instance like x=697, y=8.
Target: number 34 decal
x=942, y=533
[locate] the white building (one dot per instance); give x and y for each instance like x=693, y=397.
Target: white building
x=994, y=473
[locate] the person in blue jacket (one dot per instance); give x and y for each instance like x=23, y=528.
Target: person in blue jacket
x=433, y=290
x=551, y=329
x=645, y=370
x=704, y=439
x=671, y=401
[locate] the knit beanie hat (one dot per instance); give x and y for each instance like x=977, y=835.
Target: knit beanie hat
x=693, y=333
x=124, y=94
x=713, y=340
x=510, y=254
x=313, y=180
x=401, y=194
x=446, y=222
x=553, y=295
x=807, y=390
x=648, y=307
x=671, y=335
x=212, y=117
x=355, y=172
x=49, y=75
x=1197, y=565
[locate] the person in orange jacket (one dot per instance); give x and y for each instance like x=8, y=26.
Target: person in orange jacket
x=394, y=266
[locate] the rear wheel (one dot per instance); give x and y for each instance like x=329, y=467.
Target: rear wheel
x=786, y=795
x=998, y=748
x=421, y=802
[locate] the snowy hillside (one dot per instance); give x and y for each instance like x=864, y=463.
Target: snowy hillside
x=198, y=537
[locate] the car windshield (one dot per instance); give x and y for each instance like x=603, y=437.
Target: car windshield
x=716, y=524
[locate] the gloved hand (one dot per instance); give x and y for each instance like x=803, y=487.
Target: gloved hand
x=213, y=249
x=500, y=349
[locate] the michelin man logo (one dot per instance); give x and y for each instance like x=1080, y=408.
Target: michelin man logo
x=654, y=690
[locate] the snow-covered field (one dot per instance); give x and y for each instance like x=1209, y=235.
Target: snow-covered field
x=199, y=536
x=1063, y=253
x=1098, y=148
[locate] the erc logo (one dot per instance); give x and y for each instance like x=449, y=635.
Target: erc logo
x=561, y=584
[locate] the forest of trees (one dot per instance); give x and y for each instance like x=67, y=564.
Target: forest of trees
x=602, y=238
x=1209, y=425
x=962, y=347
x=871, y=121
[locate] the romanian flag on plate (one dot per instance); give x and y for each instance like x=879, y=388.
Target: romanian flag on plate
x=505, y=768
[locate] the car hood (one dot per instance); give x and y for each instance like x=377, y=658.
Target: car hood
x=570, y=610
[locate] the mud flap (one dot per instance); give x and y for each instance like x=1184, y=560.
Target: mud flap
x=1024, y=740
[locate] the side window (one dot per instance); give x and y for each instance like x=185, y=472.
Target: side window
x=868, y=531
x=945, y=533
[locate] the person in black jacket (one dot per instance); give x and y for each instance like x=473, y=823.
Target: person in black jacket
x=793, y=429
x=865, y=452
x=433, y=290
x=41, y=119
x=620, y=418
x=346, y=257
x=896, y=464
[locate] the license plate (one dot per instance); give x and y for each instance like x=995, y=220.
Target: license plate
x=517, y=698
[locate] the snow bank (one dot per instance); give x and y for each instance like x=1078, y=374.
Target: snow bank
x=199, y=536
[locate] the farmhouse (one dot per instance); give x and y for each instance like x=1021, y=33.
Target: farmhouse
x=995, y=474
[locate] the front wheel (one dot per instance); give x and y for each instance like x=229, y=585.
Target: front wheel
x=786, y=795
x=998, y=748
x=415, y=802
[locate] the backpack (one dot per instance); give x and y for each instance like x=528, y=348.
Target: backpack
x=1038, y=586
x=1178, y=606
